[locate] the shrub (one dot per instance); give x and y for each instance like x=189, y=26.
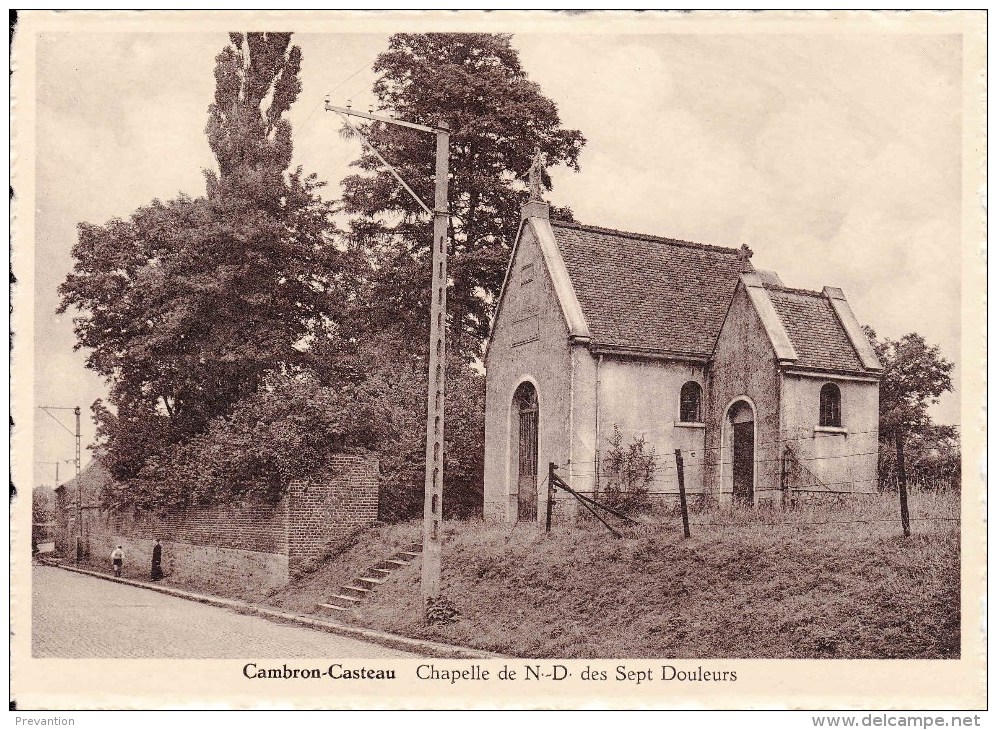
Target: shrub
x=630, y=472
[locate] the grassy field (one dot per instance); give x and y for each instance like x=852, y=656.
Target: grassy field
x=824, y=581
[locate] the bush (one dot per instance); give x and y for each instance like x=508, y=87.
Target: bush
x=630, y=472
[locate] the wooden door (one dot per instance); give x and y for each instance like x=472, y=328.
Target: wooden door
x=528, y=419
x=744, y=463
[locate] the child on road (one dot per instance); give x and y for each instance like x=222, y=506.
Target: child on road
x=117, y=558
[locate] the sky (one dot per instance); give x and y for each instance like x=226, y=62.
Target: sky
x=835, y=157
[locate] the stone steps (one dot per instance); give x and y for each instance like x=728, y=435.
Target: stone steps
x=352, y=594
x=341, y=601
x=333, y=607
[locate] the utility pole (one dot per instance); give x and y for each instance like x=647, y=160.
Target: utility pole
x=433, y=507
x=76, y=410
x=433, y=504
x=79, y=485
x=551, y=475
x=79, y=488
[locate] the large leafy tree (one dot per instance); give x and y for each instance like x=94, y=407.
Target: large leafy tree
x=476, y=84
x=498, y=117
x=915, y=375
x=189, y=305
x=386, y=384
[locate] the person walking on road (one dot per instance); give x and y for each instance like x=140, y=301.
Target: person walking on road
x=157, y=561
x=117, y=559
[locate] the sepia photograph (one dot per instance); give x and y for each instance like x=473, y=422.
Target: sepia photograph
x=610, y=351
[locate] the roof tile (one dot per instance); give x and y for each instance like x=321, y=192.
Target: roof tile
x=649, y=293
x=814, y=330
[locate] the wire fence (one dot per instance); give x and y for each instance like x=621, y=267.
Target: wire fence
x=801, y=517
x=802, y=497
x=662, y=469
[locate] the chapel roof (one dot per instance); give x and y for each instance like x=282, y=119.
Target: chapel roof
x=648, y=293
x=814, y=329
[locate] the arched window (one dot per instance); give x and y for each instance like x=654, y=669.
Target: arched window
x=691, y=403
x=830, y=405
x=526, y=397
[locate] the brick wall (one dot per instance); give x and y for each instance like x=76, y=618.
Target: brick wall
x=249, y=542
x=243, y=543
x=240, y=525
x=326, y=509
x=200, y=566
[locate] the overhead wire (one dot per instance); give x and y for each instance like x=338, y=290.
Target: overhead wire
x=321, y=103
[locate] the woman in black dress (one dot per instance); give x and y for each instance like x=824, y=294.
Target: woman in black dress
x=157, y=561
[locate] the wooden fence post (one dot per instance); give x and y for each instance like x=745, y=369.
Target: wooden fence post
x=682, y=502
x=902, y=484
x=551, y=468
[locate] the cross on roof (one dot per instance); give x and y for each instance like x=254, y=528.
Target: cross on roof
x=743, y=254
x=536, y=177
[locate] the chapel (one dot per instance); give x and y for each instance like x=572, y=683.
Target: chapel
x=761, y=387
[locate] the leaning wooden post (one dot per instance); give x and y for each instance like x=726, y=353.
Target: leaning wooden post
x=551, y=468
x=682, y=502
x=902, y=484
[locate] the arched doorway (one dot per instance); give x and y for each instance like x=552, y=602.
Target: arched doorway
x=526, y=419
x=741, y=418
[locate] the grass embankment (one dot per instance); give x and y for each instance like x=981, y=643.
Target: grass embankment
x=823, y=582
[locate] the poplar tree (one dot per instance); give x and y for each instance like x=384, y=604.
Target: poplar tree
x=188, y=305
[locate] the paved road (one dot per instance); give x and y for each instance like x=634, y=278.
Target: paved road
x=75, y=615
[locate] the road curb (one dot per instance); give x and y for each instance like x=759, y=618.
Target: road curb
x=394, y=641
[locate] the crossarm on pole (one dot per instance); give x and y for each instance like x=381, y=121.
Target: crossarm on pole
x=384, y=162
x=387, y=120
x=64, y=426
